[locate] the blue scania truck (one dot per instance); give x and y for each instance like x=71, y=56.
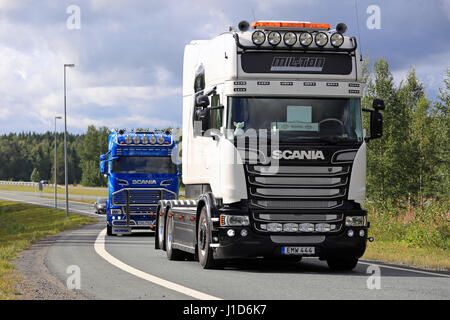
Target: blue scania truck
x=140, y=172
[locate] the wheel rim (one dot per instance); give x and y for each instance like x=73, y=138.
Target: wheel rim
x=169, y=235
x=160, y=232
x=202, y=238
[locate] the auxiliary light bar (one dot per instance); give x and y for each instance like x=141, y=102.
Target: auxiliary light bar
x=289, y=25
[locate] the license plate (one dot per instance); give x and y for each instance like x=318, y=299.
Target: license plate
x=144, y=223
x=301, y=251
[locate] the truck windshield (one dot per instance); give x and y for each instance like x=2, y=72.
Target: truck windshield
x=327, y=119
x=144, y=165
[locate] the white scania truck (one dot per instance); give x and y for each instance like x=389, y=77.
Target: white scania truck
x=273, y=148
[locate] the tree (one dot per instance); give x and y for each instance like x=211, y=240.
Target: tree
x=94, y=144
x=35, y=176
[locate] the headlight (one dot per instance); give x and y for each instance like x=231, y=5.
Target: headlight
x=274, y=38
x=356, y=221
x=258, y=37
x=116, y=211
x=153, y=139
x=145, y=139
x=128, y=139
x=337, y=39
x=290, y=38
x=160, y=139
x=306, y=39
x=321, y=39
x=346, y=156
x=234, y=221
x=136, y=139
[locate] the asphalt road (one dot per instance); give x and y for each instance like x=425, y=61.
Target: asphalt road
x=128, y=267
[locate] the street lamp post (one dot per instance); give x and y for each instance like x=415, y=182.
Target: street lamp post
x=65, y=141
x=56, y=185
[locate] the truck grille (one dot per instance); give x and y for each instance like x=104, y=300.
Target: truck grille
x=297, y=187
x=141, y=196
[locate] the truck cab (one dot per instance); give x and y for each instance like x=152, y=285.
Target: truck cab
x=140, y=173
x=273, y=150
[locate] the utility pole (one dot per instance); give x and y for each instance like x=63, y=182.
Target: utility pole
x=65, y=142
x=56, y=185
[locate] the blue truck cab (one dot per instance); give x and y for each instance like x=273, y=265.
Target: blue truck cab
x=140, y=172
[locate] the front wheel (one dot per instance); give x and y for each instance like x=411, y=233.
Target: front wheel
x=108, y=230
x=342, y=264
x=205, y=252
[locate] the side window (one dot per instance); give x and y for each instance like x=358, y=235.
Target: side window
x=199, y=80
x=216, y=115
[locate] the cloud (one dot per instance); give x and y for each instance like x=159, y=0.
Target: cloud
x=129, y=55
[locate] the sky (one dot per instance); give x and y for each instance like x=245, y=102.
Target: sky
x=128, y=54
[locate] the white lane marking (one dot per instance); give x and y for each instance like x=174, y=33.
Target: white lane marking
x=405, y=269
x=100, y=249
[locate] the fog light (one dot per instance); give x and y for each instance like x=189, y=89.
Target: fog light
x=244, y=232
x=323, y=227
x=361, y=233
x=290, y=227
x=231, y=233
x=274, y=227
x=263, y=226
x=350, y=233
x=306, y=227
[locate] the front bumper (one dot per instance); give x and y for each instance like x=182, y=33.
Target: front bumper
x=256, y=244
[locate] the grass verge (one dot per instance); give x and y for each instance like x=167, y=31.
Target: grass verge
x=70, y=199
x=416, y=236
x=400, y=253
x=82, y=192
x=21, y=225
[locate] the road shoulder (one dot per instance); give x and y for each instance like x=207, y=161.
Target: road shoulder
x=36, y=281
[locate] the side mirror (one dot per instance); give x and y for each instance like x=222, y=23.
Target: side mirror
x=202, y=115
x=376, y=125
x=378, y=104
x=103, y=164
x=202, y=101
x=376, y=120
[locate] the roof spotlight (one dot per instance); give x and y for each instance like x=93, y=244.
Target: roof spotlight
x=321, y=39
x=274, y=38
x=153, y=139
x=337, y=39
x=128, y=139
x=290, y=38
x=136, y=139
x=144, y=139
x=258, y=37
x=306, y=39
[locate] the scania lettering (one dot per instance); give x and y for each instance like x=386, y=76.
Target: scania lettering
x=140, y=173
x=273, y=148
x=297, y=154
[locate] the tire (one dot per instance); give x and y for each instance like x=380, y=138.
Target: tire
x=160, y=232
x=109, y=230
x=172, y=254
x=205, y=252
x=342, y=264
